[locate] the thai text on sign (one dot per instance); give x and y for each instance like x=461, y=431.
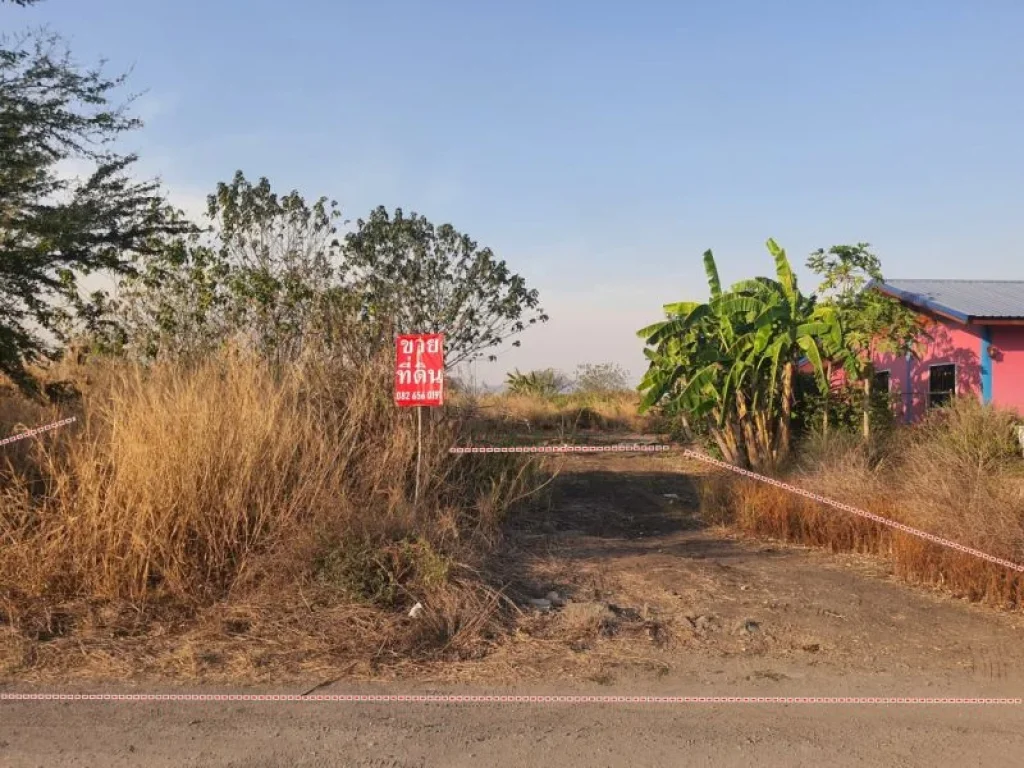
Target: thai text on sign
x=419, y=369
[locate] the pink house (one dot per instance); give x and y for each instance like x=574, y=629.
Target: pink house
x=976, y=345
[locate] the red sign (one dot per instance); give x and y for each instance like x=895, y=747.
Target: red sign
x=419, y=370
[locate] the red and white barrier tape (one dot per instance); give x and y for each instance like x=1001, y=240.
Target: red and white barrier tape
x=857, y=511
x=356, y=698
x=620, y=448
x=761, y=479
x=36, y=431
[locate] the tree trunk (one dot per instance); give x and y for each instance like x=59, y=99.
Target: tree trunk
x=866, y=415
x=687, y=429
x=828, y=398
x=727, y=445
x=785, y=427
x=765, y=438
x=750, y=442
x=727, y=440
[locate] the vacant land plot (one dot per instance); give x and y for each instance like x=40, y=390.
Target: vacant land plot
x=655, y=601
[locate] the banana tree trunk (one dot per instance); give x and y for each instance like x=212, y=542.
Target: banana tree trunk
x=785, y=426
x=755, y=456
x=728, y=440
x=766, y=439
x=828, y=398
x=866, y=415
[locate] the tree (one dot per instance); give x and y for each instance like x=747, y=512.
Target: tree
x=264, y=273
x=54, y=229
x=784, y=325
x=176, y=305
x=730, y=362
x=871, y=322
x=282, y=254
x=601, y=378
x=271, y=272
x=423, y=278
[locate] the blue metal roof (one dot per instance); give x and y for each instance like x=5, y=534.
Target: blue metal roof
x=963, y=300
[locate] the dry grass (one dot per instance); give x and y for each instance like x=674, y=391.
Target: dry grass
x=959, y=475
x=186, y=495
x=562, y=414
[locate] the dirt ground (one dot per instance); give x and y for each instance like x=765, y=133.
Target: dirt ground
x=656, y=603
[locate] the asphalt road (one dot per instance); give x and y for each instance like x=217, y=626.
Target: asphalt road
x=404, y=735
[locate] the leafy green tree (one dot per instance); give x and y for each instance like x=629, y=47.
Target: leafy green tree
x=262, y=274
x=272, y=273
x=687, y=355
x=177, y=305
x=783, y=326
x=428, y=279
x=54, y=229
x=872, y=322
x=282, y=253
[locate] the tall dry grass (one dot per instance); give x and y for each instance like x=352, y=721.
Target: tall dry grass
x=227, y=481
x=562, y=414
x=958, y=475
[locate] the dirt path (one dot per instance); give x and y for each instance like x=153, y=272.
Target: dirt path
x=625, y=529
x=658, y=604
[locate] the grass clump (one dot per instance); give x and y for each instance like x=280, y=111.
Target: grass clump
x=959, y=474
x=228, y=485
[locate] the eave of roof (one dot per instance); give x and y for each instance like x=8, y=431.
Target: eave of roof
x=924, y=302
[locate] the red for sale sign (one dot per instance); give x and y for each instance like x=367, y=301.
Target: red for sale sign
x=419, y=370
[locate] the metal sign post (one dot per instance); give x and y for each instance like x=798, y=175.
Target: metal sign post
x=419, y=383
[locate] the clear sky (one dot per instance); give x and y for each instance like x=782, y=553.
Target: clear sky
x=599, y=147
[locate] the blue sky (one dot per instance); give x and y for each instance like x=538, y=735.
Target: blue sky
x=598, y=147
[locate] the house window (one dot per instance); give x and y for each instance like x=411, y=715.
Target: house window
x=941, y=384
x=881, y=382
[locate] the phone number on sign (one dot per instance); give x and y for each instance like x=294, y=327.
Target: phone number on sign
x=417, y=396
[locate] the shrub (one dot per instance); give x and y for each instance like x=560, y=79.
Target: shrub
x=845, y=409
x=601, y=378
x=542, y=383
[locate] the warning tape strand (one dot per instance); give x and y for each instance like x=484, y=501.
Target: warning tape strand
x=560, y=699
x=930, y=537
x=36, y=431
x=620, y=448
x=356, y=698
x=647, y=448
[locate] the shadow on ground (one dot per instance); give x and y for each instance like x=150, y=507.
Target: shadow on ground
x=594, y=515
x=615, y=505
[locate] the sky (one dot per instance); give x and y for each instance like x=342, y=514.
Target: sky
x=598, y=147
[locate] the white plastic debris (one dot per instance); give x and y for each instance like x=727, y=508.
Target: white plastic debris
x=416, y=611
x=671, y=496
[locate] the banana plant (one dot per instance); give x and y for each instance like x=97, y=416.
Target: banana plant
x=731, y=361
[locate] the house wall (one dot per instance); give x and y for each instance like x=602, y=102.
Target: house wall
x=950, y=343
x=962, y=345
x=1008, y=366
